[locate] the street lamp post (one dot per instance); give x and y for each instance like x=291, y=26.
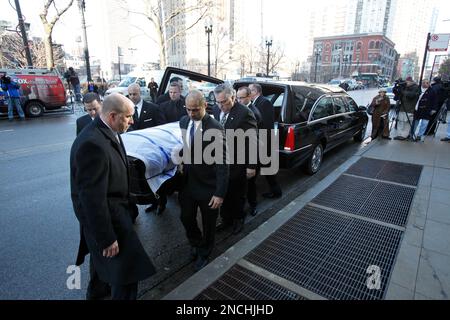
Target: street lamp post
x=268, y=44
x=340, y=62
x=345, y=65
x=82, y=7
x=119, y=54
x=317, y=52
x=208, y=31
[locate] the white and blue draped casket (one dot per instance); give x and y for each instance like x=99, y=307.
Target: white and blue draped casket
x=154, y=147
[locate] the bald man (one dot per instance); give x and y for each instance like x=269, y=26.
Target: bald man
x=100, y=197
x=146, y=114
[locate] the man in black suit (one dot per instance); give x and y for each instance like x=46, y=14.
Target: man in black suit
x=100, y=196
x=266, y=109
x=146, y=114
x=153, y=87
x=234, y=116
x=174, y=109
x=96, y=289
x=166, y=97
x=204, y=185
x=92, y=105
x=244, y=98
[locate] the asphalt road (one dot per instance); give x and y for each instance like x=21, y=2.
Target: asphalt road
x=39, y=232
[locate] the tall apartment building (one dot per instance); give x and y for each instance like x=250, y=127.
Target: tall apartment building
x=189, y=49
x=108, y=28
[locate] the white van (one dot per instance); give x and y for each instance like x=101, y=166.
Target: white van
x=141, y=78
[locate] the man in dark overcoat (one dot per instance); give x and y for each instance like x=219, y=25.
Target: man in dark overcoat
x=100, y=196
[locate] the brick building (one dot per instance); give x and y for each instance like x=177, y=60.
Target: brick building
x=348, y=55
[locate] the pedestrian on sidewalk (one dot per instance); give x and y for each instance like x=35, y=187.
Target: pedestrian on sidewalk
x=381, y=106
x=12, y=90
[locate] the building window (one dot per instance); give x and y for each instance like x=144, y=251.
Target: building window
x=377, y=45
x=371, y=44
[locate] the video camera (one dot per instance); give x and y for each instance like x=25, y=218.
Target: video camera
x=399, y=86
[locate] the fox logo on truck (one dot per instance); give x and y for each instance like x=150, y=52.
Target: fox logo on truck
x=40, y=90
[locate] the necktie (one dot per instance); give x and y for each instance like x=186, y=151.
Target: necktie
x=192, y=135
x=135, y=115
x=224, y=119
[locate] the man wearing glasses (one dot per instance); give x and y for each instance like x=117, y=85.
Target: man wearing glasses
x=234, y=116
x=244, y=98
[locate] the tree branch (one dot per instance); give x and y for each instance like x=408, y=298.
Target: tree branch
x=188, y=28
x=59, y=14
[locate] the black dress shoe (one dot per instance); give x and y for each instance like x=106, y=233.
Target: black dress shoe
x=200, y=263
x=238, y=225
x=386, y=138
x=225, y=224
x=446, y=139
x=271, y=195
x=252, y=211
x=153, y=207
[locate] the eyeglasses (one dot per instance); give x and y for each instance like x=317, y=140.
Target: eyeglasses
x=240, y=98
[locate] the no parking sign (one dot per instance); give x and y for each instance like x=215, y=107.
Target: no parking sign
x=439, y=42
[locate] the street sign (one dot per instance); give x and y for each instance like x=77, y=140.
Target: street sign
x=439, y=42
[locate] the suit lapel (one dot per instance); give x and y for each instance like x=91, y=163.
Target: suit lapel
x=109, y=134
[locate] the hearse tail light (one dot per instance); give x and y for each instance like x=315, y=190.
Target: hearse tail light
x=290, y=140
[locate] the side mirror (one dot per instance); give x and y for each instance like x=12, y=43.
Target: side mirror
x=362, y=108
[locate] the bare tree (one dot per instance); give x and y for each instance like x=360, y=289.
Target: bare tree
x=14, y=55
x=276, y=58
x=162, y=19
x=49, y=24
x=248, y=56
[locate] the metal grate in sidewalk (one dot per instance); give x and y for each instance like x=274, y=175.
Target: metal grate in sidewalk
x=397, y=172
x=346, y=194
x=241, y=284
x=329, y=254
x=375, y=200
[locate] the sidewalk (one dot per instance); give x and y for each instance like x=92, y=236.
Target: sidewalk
x=287, y=257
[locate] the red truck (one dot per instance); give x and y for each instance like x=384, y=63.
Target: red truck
x=40, y=90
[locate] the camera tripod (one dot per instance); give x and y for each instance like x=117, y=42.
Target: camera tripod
x=437, y=121
x=394, y=122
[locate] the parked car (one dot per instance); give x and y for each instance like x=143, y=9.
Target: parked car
x=391, y=95
x=352, y=84
x=207, y=89
x=335, y=82
x=40, y=90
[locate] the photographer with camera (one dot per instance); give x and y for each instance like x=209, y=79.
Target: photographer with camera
x=12, y=89
x=441, y=96
x=408, y=94
x=381, y=106
x=72, y=78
